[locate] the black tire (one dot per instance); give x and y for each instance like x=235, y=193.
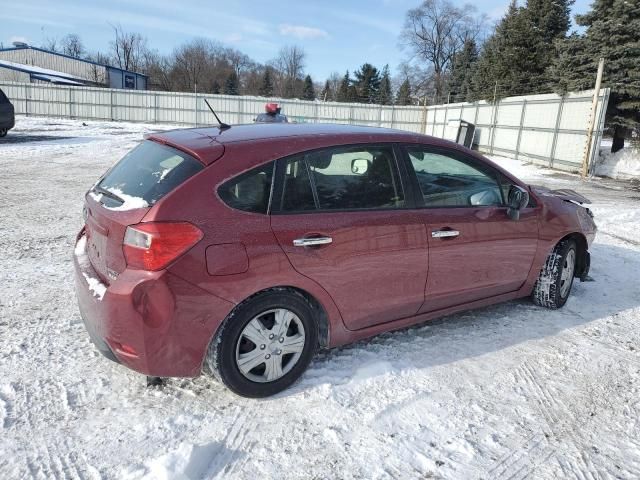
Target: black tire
x=3, y=132
x=221, y=363
x=549, y=290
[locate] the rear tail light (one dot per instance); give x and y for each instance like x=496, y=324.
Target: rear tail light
x=153, y=246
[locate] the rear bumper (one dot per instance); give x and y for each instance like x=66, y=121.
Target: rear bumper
x=152, y=322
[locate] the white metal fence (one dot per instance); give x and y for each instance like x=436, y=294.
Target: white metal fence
x=545, y=129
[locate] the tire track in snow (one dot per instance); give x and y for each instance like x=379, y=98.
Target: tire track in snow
x=60, y=461
x=517, y=460
x=560, y=422
x=234, y=456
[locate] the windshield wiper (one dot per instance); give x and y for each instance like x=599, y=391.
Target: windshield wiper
x=107, y=193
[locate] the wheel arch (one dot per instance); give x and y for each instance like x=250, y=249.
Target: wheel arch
x=582, y=254
x=320, y=313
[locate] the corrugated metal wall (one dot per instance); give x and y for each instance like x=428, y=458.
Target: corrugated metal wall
x=29, y=56
x=9, y=75
x=545, y=129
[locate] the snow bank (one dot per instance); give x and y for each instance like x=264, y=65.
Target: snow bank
x=624, y=164
x=187, y=462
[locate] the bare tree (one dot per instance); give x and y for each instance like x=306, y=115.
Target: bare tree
x=191, y=62
x=50, y=44
x=334, y=83
x=435, y=31
x=96, y=73
x=72, y=45
x=290, y=65
x=128, y=49
x=159, y=68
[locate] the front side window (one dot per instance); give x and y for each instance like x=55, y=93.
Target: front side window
x=250, y=191
x=448, y=181
x=342, y=178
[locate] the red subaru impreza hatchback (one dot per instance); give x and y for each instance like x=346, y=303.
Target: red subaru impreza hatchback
x=239, y=251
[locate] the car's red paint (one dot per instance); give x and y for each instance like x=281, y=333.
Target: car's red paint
x=374, y=270
x=384, y=270
x=492, y=255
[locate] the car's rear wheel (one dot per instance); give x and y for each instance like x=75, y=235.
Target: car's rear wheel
x=556, y=277
x=264, y=345
x=3, y=132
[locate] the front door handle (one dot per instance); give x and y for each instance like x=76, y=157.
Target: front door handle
x=312, y=241
x=445, y=233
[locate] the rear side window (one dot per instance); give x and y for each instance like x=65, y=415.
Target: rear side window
x=342, y=178
x=250, y=191
x=148, y=172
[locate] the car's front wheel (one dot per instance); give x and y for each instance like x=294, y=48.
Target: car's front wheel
x=556, y=277
x=3, y=132
x=264, y=345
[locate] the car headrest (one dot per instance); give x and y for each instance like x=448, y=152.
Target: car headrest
x=319, y=160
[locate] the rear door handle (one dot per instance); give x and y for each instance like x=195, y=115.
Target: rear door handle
x=445, y=233
x=312, y=242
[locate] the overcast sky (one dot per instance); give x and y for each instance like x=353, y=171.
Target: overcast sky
x=336, y=34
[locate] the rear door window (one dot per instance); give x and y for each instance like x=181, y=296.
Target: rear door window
x=249, y=192
x=146, y=174
x=342, y=178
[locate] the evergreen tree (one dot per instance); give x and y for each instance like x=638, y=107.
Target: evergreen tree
x=549, y=21
x=462, y=69
x=384, y=95
x=352, y=94
x=266, y=89
x=517, y=57
x=404, y=94
x=612, y=28
x=308, y=92
x=367, y=83
x=343, y=91
x=509, y=60
x=232, y=84
x=327, y=94
x=215, y=87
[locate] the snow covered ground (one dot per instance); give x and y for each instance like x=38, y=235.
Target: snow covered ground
x=510, y=391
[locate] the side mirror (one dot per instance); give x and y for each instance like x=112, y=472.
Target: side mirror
x=359, y=166
x=518, y=199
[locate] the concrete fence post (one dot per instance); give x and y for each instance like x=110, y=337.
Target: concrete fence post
x=494, y=123
x=111, y=104
x=446, y=120
x=555, y=133
x=155, y=108
x=522, y=114
x=27, y=91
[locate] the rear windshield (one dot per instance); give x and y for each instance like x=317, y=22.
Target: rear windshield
x=146, y=174
x=3, y=97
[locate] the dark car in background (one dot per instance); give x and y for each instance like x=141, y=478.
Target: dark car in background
x=7, y=116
